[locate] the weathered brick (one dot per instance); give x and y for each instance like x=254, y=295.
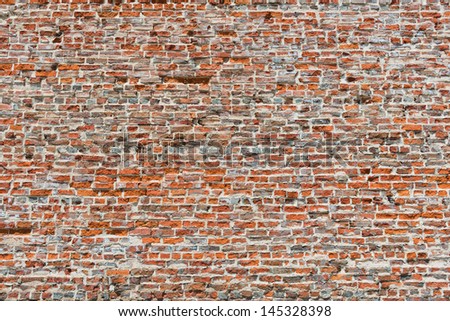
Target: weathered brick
x=261, y=149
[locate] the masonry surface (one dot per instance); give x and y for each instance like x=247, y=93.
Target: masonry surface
x=193, y=150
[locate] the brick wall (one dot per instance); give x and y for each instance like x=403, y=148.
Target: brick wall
x=230, y=149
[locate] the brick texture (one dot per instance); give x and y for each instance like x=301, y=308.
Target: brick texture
x=224, y=149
